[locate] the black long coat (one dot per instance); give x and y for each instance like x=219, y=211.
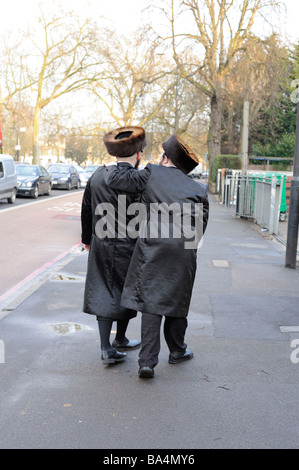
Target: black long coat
x=162, y=270
x=109, y=254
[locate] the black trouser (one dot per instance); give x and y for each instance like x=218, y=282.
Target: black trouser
x=174, y=333
x=105, y=325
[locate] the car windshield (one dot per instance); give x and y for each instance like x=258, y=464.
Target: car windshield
x=58, y=169
x=91, y=168
x=80, y=169
x=27, y=170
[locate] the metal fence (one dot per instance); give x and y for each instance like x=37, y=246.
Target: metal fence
x=252, y=196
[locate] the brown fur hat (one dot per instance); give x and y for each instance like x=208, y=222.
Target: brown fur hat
x=180, y=153
x=125, y=141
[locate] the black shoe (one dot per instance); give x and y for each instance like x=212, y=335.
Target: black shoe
x=176, y=357
x=146, y=372
x=110, y=356
x=126, y=345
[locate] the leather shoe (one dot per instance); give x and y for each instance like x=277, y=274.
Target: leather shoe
x=146, y=372
x=110, y=356
x=126, y=345
x=177, y=357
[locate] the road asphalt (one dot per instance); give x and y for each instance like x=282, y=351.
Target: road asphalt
x=240, y=391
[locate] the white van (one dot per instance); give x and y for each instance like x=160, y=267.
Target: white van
x=197, y=171
x=8, y=178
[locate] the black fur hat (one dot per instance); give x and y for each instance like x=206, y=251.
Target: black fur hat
x=180, y=153
x=125, y=141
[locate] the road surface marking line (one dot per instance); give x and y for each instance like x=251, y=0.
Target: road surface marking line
x=289, y=329
x=36, y=202
x=220, y=263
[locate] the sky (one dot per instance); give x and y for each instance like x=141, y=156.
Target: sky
x=125, y=15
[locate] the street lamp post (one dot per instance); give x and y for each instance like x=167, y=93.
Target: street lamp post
x=245, y=132
x=293, y=222
x=18, y=146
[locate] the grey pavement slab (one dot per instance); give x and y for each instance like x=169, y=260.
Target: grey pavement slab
x=239, y=391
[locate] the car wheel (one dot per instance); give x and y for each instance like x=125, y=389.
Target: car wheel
x=69, y=186
x=35, y=193
x=12, y=198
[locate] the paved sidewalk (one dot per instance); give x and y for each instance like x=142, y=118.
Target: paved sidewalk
x=239, y=391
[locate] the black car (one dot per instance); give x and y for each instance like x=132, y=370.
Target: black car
x=64, y=176
x=90, y=169
x=33, y=180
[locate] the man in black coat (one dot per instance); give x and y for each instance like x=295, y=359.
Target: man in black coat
x=160, y=278
x=110, y=248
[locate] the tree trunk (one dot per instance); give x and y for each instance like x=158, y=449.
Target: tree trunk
x=35, y=146
x=214, y=137
x=230, y=129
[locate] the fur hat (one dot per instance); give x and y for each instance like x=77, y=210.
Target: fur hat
x=125, y=141
x=180, y=153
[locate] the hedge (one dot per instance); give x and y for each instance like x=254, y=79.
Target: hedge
x=232, y=162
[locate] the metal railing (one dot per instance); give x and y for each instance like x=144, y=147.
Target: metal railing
x=252, y=196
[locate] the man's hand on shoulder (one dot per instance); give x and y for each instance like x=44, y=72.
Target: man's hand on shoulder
x=124, y=177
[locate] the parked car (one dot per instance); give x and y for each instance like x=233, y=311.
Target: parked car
x=90, y=169
x=205, y=174
x=8, y=178
x=33, y=180
x=64, y=176
x=83, y=176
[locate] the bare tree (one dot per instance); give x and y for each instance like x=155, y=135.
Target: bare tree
x=132, y=87
x=217, y=30
x=61, y=55
x=184, y=112
x=14, y=83
x=256, y=75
